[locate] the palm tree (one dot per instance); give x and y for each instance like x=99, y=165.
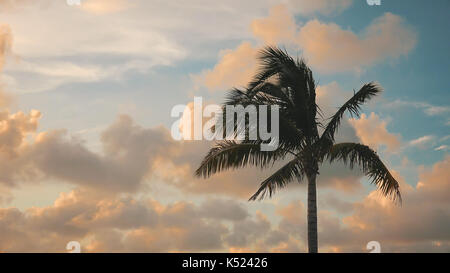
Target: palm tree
x=289, y=84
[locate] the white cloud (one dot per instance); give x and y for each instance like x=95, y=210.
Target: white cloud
x=428, y=109
x=421, y=141
x=442, y=148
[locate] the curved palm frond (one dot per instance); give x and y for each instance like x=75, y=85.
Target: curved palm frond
x=291, y=81
x=290, y=137
x=273, y=61
x=265, y=93
x=353, y=106
x=370, y=163
x=229, y=154
x=279, y=179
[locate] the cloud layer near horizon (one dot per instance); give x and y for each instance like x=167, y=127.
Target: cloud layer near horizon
x=126, y=224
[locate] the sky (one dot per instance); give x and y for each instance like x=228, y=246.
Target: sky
x=86, y=153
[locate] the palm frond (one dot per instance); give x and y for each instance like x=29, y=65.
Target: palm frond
x=279, y=179
x=273, y=60
x=291, y=83
x=290, y=137
x=353, y=106
x=370, y=163
x=229, y=154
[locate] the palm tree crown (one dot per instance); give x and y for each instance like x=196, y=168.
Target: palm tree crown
x=289, y=84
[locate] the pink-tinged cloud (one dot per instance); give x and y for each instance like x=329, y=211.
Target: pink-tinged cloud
x=329, y=48
x=14, y=128
x=6, y=40
x=234, y=68
x=326, y=46
x=372, y=131
x=100, y=7
x=420, y=224
x=278, y=27
x=106, y=223
x=111, y=224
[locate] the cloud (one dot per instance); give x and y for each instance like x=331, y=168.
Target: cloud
x=5, y=99
x=5, y=43
x=329, y=48
x=338, y=176
x=421, y=141
x=326, y=46
x=13, y=5
x=129, y=224
x=129, y=151
x=14, y=128
x=332, y=202
x=130, y=43
x=85, y=56
x=224, y=209
x=105, y=35
x=428, y=109
x=442, y=148
x=131, y=156
x=278, y=27
x=246, y=232
x=234, y=68
x=421, y=224
x=6, y=40
x=104, y=6
x=372, y=131
x=325, y=7
x=111, y=224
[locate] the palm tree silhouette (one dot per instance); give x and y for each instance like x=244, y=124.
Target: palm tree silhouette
x=289, y=84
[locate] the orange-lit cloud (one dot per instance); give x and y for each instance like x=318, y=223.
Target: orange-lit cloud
x=117, y=224
x=5, y=43
x=326, y=46
x=329, y=48
x=278, y=27
x=14, y=128
x=418, y=224
x=126, y=224
x=104, y=6
x=234, y=68
x=372, y=132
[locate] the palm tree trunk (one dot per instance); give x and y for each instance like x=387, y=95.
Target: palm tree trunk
x=312, y=214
